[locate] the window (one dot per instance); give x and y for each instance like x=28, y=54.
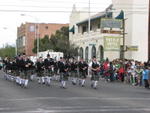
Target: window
x=24, y=41
x=46, y=27
x=81, y=52
x=31, y=28
x=101, y=52
x=93, y=52
x=98, y=26
x=36, y=26
x=91, y=27
x=86, y=54
x=84, y=29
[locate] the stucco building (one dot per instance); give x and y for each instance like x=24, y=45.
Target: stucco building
x=136, y=16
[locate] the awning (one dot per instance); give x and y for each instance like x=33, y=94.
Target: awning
x=97, y=16
x=121, y=15
x=72, y=29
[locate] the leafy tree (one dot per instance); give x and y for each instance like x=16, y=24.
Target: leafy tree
x=61, y=43
x=44, y=44
x=58, y=42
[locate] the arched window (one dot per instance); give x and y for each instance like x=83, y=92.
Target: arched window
x=101, y=49
x=93, y=53
x=86, y=53
x=81, y=52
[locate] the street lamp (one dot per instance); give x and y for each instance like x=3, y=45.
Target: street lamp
x=36, y=28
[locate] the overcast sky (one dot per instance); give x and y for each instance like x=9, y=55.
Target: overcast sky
x=45, y=11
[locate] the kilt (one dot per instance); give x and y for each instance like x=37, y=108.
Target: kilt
x=17, y=73
x=48, y=73
x=82, y=74
x=26, y=74
x=95, y=76
x=65, y=76
x=40, y=73
x=74, y=74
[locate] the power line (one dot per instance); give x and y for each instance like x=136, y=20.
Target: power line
x=63, y=1
x=42, y=6
x=62, y=7
x=39, y=11
x=60, y=11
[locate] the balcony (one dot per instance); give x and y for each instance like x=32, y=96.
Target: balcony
x=99, y=33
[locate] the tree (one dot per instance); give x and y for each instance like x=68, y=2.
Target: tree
x=58, y=42
x=8, y=51
x=61, y=43
x=44, y=44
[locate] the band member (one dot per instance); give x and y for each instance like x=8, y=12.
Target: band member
x=18, y=58
x=95, y=69
x=27, y=70
x=40, y=70
x=74, y=70
x=23, y=80
x=13, y=70
x=83, y=71
x=21, y=65
x=63, y=70
x=56, y=76
x=49, y=69
x=60, y=70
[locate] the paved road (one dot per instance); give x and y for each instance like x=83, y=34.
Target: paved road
x=108, y=98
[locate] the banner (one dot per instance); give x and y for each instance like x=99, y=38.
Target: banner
x=132, y=48
x=111, y=43
x=111, y=23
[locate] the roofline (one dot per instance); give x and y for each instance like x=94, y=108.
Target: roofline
x=47, y=23
x=100, y=16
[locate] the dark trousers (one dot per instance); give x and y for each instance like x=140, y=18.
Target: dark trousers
x=146, y=84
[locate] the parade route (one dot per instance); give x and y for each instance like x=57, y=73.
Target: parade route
x=108, y=98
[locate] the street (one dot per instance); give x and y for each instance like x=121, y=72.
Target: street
x=108, y=98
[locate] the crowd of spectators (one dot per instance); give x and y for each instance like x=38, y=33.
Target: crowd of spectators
x=128, y=71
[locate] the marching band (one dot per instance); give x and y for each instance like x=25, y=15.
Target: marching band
x=22, y=71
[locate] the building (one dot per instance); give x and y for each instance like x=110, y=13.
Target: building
x=136, y=13
x=136, y=19
x=26, y=34
x=92, y=44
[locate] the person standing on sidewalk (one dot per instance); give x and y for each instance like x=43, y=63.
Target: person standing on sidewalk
x=145, y=76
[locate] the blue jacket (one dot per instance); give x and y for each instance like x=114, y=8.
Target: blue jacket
x=145, y=74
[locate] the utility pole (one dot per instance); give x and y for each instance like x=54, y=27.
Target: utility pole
x=149, y=32
x=123, y=49
x=89, y=26
x=38, y=39
x=89, y=22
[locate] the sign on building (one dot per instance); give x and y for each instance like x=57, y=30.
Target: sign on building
x=111, y=23
x=32, y=28
x=132, y=48
x=111, y=43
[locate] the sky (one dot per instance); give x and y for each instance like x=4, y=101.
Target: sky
x=41, y=11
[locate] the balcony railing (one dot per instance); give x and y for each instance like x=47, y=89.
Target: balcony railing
x=94, y=34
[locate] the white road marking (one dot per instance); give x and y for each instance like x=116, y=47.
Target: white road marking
x=74, y=98
x=82, y=108
x=85, y=110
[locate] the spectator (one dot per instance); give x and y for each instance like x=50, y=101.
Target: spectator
x=145, y=75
